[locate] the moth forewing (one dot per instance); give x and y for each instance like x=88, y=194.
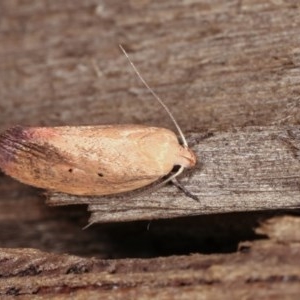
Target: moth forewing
x=91, y=160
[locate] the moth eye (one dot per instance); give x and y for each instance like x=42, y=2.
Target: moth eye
x=100, y=175
x=70, y=170
x=175, y=169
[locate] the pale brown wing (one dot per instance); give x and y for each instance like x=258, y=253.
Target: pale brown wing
x=98, y=160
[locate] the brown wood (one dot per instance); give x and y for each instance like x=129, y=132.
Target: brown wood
x=229, y=71
x=267, y=268
x=247, y=169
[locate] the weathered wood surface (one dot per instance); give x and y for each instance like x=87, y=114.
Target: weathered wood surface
x=216, y=64
x=266, y=269
x=254, y=168
x=222, y=66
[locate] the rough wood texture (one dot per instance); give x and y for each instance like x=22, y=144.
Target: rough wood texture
x=226, y=67
x=264, y=269
x=247, y=169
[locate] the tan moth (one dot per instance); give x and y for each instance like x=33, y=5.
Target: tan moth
x=94, y=160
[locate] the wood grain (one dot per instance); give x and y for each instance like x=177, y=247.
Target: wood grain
x=266, y=268
x=229, y=71
x=253, y=168
x=216, y=64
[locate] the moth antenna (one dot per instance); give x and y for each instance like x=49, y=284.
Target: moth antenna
x=171, y=177
x=184, y=142
x=168, y=179
x=158, y=185
x=88, y=225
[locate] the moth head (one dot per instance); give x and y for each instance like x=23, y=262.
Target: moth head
x=187, y=158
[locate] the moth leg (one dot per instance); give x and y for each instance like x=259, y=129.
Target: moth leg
x=184, y=190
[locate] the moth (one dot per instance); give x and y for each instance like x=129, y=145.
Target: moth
x=94, y=160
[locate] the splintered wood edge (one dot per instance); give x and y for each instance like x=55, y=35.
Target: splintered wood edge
x=254, y=168
x=29, y=271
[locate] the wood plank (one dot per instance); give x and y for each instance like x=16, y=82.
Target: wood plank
x=253, y=168
x=230, y=68
x=264, y=268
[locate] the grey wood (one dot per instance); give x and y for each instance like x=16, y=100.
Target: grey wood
x=255, y=168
